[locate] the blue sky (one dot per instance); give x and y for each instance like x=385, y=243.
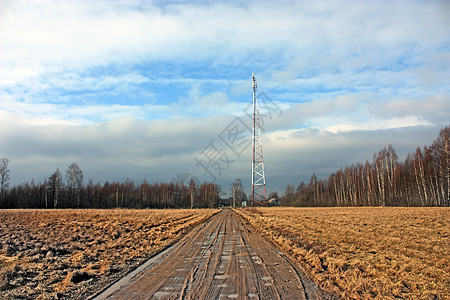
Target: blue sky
x=139, y=89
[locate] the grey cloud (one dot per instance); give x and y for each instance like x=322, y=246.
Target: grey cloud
x=159, y=149
x=128, y=145
x=293, y=157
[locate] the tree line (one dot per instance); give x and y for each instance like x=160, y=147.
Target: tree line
x=55, y=192
x=423, y=179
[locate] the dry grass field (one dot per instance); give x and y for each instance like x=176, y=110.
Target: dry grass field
x=365, y=253
x=51, y=254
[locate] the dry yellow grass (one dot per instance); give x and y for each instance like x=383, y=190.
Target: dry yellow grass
x=366, y=253
x=46, y=254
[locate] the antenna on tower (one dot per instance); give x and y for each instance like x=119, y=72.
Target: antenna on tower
x=258, y=178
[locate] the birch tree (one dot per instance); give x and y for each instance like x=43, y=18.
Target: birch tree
x=55, y=184
x=443, y=157
x=4, y=176
x=420, y=177
x=74, y=180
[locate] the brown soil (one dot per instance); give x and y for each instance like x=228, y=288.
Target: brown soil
x=70, y=254
x=222, y=258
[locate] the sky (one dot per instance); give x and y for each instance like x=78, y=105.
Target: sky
x=161, y=89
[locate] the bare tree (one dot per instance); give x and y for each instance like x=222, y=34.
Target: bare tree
x=289, y=194
x=443, y=157
x=4, y=176
x=193, y=192
x=74, y=180
x=55, y=184
x=420, y=177
x=237, y=193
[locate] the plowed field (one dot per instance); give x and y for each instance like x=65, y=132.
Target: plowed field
x=365, y=253
x=50, y=254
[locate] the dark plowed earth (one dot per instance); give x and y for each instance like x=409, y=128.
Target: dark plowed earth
x=224, y=258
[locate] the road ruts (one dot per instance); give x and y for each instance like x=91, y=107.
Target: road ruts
x=224, y=258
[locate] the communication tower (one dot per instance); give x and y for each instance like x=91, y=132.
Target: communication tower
x=258, y=178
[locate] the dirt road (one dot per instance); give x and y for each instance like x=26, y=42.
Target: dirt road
x=224, y=258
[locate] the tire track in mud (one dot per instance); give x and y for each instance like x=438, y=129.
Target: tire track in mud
x=223, y=258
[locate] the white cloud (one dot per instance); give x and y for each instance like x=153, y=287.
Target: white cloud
x=72, y=35
x=362, y=112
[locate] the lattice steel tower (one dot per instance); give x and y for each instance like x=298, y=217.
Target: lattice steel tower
x=258, y=178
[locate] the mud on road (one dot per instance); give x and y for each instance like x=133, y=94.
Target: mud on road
x=223, y=258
